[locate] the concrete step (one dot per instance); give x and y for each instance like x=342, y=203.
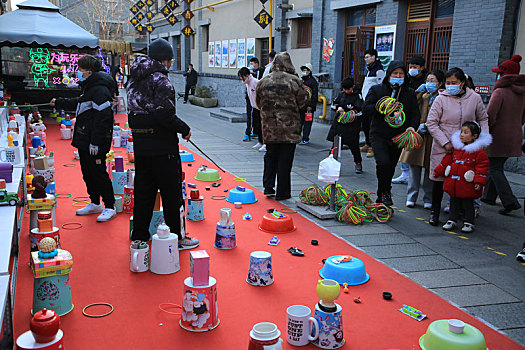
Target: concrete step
x=230, y=114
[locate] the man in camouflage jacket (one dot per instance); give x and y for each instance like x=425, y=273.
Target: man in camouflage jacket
x=280, y=95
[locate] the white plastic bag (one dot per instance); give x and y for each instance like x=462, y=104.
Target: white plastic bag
x=329, y=170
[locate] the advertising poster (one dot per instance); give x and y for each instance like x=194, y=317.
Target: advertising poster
x=233, y=53
x=385, y=40
x=224, y=54
x=217, y=54
x=250, y=49
x=211, y=55
x=241, y=53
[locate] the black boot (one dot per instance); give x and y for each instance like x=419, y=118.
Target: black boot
x=387, y=199
x=434, y=218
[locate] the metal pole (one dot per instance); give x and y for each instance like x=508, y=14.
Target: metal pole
x=147, y=47
x=336, y=152
x=271, y=27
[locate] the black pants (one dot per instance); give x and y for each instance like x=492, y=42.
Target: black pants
x=153, y=173
x=186, y=92
x=437, y=196
x=306, y=126
x=96, y=177
x=457, y=205
x=365, y=126
x=278, y=161
x=386, y=155
x=248, y=130
x=497, y=184
x=256, y=123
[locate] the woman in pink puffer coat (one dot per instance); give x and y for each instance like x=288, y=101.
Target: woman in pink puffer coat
x=454, y=106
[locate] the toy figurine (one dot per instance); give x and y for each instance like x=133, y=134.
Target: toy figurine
x=39, y=183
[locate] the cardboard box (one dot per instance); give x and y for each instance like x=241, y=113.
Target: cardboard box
x=200, y=267
x=41, y=163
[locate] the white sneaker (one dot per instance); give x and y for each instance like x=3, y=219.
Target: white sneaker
x=402, y=179
x=450, y=225
x=263, y=148
x=410, y=204
x=188, y=243
x=467, y=227
x=257, y=146
x=427, y=206
x=107, y=214
x=90, y=209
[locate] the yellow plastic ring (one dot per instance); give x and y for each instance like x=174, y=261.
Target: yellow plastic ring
x=80, y=203
x=95, y=304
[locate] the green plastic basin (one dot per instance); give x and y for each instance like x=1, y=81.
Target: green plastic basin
x=208, y=175
x=439, y=337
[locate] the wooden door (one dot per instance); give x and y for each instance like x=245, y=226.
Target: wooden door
x=357, y=40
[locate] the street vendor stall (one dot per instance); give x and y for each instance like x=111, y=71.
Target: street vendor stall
x=40, y=49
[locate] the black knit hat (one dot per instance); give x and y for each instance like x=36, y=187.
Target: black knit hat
x=160, y=50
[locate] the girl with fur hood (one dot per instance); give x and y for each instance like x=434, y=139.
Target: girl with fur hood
x=465, y=172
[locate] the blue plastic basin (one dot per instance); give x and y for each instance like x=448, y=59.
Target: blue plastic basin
x=351, y=272
x=186, y=157
x=245, y=197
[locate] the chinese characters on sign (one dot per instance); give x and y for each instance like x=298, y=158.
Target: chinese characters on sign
x=68, y=63
x=187, y=31
x=263, y=19
x=187, y=14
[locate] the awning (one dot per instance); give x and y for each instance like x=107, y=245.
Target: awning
x=39, y=22
x=117, y=47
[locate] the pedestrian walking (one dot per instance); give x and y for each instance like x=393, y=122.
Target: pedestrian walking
x=280, y=96
x=395, y=85
x=451, y=108
x=349, y=106
x=465, y=171
x=308, y=112
x=251, y=84
x=257, y=73
x=155, y=125
x=374, y=75
x=419, y=159
x=93, y=133
x=269, y=65
x=506, y=112
x=191, y=82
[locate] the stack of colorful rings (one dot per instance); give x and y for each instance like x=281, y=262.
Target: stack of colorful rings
x=409, y=140
x=392, y=110
x=347, y=117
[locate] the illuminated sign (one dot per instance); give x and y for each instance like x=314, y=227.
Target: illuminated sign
x=40, y=69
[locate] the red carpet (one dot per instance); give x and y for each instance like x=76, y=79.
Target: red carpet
x=101, y=274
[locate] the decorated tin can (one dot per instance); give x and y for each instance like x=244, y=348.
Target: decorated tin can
x=330, y=328
x=36, y=236
x=128, y=199
x=199, y=306
x=52, y=292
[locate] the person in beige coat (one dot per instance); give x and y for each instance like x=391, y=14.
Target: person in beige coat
x=454, y=106
x=506, y=112
x=419, y=159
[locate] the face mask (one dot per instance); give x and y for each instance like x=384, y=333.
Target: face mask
x=304, y=74
x=80, y=76
x=349, y=92
x=453, y=89
x=413, y=72
x=431, y=87
x=251, y=67
x=398, y=81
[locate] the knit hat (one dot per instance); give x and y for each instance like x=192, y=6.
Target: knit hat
x=160, y=50
x=511, y=66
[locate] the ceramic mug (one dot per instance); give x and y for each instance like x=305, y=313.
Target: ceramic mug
x=10, y=155
x=298, y=329
x=139, y=256
x=330, y=328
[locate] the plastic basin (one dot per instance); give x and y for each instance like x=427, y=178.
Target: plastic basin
x=245, y=197
x=208, y=175
x=271, y=224
x=350, y=272
x=438, y=336
x=186, y=157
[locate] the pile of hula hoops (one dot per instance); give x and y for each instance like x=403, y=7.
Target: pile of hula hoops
x=353, y=207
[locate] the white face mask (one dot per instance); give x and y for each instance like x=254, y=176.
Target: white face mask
x=413, y=72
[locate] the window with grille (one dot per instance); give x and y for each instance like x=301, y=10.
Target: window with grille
x=304, y=33
x=419, y=10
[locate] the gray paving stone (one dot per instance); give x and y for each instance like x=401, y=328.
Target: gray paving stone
x=445, y=278
x=516, y=334
x=485, y=294
x=502, y=315
x=380, y=239
x=365, y=229
x=421, y=263
x=509, y=278
x=398, y=250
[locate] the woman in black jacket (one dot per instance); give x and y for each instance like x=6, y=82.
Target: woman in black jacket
x=93, y=133
x=387, y=154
